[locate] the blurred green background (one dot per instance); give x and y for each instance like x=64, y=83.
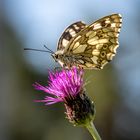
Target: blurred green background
x=115, y=89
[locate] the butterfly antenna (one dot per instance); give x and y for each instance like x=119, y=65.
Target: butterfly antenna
x=30, y=49
x=48, y=49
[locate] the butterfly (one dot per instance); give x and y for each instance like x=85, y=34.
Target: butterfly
x=89, y=46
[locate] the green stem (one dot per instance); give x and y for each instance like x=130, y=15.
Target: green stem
x=91, y=128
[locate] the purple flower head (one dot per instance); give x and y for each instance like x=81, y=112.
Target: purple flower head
x=68, y=86
x=63, y=86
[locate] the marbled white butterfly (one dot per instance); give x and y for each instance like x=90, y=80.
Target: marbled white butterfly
x=89, y=46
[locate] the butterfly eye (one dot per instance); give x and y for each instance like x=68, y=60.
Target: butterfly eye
x=56, y=56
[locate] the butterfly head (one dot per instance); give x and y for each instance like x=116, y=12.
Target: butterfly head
x=58, y=55
x=55, y=57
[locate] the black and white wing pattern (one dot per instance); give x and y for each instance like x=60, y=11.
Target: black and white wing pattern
x=95, y=45
x=70, y=33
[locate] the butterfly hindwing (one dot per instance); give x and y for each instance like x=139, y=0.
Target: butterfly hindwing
x=96, y=44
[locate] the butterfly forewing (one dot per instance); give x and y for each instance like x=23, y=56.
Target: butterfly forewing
x=96, y=44
x=70, y=33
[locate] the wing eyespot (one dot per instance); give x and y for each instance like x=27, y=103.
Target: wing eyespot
x=105, y=46
x=103, y=54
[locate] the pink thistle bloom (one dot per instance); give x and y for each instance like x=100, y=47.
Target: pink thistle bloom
x=62, y=86
x=67, y=86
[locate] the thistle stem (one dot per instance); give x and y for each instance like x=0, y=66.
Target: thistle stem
x=91, y=128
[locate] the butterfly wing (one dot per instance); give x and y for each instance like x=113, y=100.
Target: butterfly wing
x=96, y=45
x=69, y=33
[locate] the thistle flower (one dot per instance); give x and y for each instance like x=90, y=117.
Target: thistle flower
x=67, y=86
